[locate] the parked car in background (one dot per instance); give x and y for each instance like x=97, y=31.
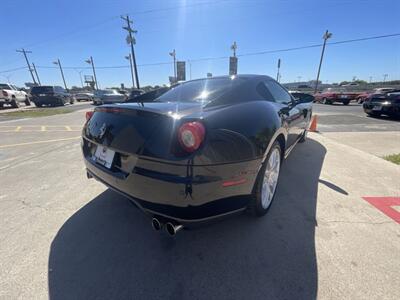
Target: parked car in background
x=302, y=97
x=83, y=97
x=50, y=95
x=149, y=96
x=183, y=158
x=134, y=93
x=108, y=96
x=332, y=95
x=10, y=94
x=383, y=104
x=363, y=96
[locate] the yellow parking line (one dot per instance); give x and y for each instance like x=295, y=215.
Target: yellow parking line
x=38, y=142
x=18, y=128
x=68, y=128
x=43, y=128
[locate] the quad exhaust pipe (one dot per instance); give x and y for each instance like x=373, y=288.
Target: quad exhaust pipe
x=157, y=225
x=170, y=228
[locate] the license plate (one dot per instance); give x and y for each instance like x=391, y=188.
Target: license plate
x=42, y=95
x=104, y=156
x=377, y=107
x=343, y=96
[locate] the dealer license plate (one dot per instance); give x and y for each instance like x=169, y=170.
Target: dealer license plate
x=377, y=107
x=104, y=156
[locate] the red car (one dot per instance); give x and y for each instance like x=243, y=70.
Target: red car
x=331, y=95
x=364, y=96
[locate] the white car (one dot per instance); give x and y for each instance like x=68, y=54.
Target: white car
x=108, y=96
x=9, y=94
x=84, y=97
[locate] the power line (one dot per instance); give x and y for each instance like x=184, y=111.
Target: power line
x=107, y=20
x=224, y=57
x=13, y=70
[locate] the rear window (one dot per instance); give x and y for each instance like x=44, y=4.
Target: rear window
x=41, y=89
x=4, y=86
x=204, y=90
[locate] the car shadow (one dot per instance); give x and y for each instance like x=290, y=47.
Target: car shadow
x=108, y=250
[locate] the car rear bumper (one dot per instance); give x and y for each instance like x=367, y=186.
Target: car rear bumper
x=47, y=100
x=184, y=193
x=393, y=109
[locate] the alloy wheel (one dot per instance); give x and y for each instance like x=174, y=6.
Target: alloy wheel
x=270, y=178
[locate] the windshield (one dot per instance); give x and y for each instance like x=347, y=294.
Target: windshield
x=4, y=86
x=41, y=89
x=204, y=90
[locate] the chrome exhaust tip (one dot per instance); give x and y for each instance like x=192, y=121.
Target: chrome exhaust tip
x=156, y=224
x=172, y=229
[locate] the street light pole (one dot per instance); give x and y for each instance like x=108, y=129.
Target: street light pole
x=279, y=67
x=326, y=36
x=173, y=54
x=27, y=62
x=129, y=57
x=90, y=62
x=131, y=40
x=36, y=73
x=234, y=47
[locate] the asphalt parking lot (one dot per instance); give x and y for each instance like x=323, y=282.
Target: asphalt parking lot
x=63, y=236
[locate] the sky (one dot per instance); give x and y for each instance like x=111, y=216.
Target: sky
x=72, y=31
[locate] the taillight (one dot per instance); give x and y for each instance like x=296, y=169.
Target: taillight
x=5, y=93
x=191, y=135
x=88, y=115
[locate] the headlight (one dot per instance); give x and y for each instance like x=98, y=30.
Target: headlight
x=386, y=103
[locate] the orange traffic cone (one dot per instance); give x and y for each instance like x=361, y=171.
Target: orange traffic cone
x=313, y=125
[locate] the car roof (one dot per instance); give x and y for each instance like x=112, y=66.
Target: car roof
x=244, y=76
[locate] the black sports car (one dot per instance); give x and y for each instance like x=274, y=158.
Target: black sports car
x=198, y=150
x=383, y=104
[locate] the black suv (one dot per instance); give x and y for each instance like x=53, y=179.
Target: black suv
x=50, y=95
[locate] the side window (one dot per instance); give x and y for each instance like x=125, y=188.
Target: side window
x=279, y=94
x=263, y=91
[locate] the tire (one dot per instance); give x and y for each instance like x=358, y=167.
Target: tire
x=326, y=101
x=262, y=198
x=303, y=136
x=14, y=103
x=1, y=105
x=71, y=100
x=360, y=101
x=346, y=102
x=27, y=102
x=38, y=104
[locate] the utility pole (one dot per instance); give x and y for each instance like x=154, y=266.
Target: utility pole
x=173, y=54
x=298, y=78
x=90, y=62
x=62, y=73
x=27, y=62
x=326, y=36
x=131, y=40
x=384, y=78
x=370, y=79
x=190, y=69
x=36, y=73
x=279, y=67
x=129, y=57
